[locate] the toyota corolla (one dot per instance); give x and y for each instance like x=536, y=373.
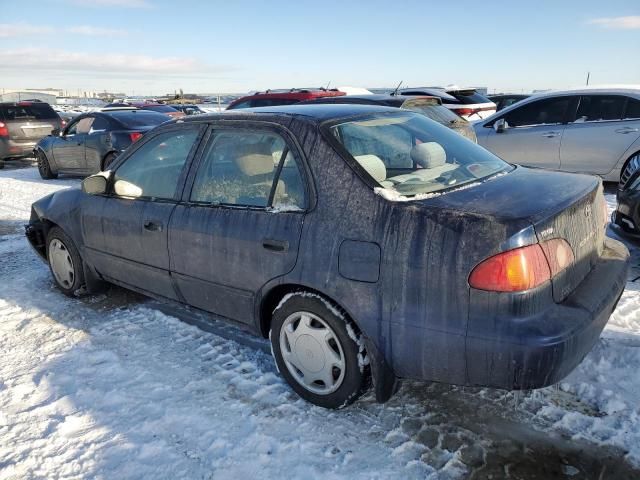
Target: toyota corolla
x=369, y=244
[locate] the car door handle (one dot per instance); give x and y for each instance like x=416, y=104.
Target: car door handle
x=275, y=245
x=551, y=134
x=627, y=130
x=152, y=226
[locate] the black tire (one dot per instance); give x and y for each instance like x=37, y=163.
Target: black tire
x=626, y=175
x=355, y=380
x=108, y=160
x=1, y=164
x=44, y=168
x=76, y=281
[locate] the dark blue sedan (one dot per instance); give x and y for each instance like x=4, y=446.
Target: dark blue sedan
x=368, y=243
x=91, y=141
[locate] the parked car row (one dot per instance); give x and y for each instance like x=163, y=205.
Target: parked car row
x=368, y=243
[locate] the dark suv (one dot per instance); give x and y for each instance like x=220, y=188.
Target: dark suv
x=272, y=98
x=22, y=125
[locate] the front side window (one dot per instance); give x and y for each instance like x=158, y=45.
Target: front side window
x=548, y=111
x=84, y=125
x=594, y=108
x=153, y=171
x=249, y=168
x=411, y=155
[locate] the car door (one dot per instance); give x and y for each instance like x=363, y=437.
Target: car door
x=68, y=151
x=598, y=137
x=126, y=232
x=532, y=133
x=240, y=223
x=97, y=143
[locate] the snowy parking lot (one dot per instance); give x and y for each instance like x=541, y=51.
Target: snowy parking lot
x=109, y=386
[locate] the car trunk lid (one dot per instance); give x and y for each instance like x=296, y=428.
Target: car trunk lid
x=557, y=205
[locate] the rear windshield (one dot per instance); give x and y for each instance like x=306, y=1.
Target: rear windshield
x=466, y=97
x=139, y=118
x=408, y=155
x=30, y=111
x=438, y=113
x=159, y=108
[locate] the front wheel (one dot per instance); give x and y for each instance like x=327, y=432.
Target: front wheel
x=44, y=168
x=64, y=261
x=315, y=352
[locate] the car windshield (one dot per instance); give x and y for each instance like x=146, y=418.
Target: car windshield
x=411, y=155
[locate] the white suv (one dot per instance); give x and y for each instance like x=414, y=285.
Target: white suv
x=466, y=102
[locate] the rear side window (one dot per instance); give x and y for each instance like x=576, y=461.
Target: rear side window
x=31, y=111
x=160, y=108
x=154, y=169
x=139, y=118
x=249, y=168
x=633, y=108
x=245, y=104
x=541, y=112
x=594, y=108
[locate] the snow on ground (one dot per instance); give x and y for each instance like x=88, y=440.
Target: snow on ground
x=107, y=386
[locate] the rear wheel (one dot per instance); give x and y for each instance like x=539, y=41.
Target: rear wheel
x=43, y=166
x=315, y=353
x=108, y=160
x=1, y=164
x=64, y=261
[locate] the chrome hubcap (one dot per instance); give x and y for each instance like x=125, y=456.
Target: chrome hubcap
x=312, y=353
x=61, y=263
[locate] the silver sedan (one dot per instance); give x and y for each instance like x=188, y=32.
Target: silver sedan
x=588, y=130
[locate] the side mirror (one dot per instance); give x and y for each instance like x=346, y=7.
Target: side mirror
x=500, y=125
x=96, y=184
x=56, y=132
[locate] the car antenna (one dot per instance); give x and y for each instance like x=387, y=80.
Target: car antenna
x=327, y=87
x=395, y=92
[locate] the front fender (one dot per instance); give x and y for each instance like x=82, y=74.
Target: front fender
x=60, y=208
x=46, y=147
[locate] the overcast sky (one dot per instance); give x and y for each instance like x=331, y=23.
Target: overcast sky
x=157, y=46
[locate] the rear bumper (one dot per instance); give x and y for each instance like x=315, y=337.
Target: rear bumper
x=539, y=349
x=10, y=148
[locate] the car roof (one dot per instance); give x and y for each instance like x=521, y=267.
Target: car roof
x=316, y=113
x=622, y=89
x=377, y=98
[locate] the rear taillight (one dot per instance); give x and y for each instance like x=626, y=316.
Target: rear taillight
x=465, y=111
x=522, y=268
x=4, y=131
x=135, y=136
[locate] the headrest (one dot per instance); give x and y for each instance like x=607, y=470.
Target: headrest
x=429, y=155
x=255, y=159
x=374, y=166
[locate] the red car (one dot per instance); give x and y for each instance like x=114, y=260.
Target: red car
x=272, y=98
